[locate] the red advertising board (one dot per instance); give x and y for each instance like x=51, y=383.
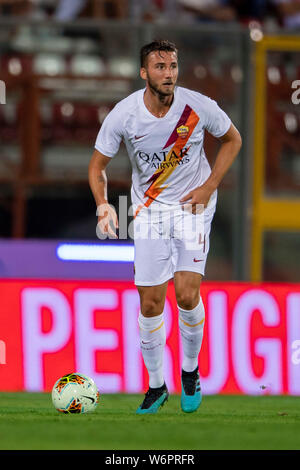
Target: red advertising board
x=49, y=328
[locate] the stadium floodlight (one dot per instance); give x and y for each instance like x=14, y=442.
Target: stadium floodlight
x=94, y=252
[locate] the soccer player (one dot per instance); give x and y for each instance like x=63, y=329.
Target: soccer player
x=163, y=128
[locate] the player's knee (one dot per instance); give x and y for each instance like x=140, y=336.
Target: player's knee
x=151, y=307
x=187, y=299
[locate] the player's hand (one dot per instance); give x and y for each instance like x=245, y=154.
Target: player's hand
x=107, y=221
x=197, y=199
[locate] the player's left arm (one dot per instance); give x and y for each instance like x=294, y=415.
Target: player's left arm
x=231, y=143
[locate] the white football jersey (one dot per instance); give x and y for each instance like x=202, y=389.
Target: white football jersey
x=166, y=154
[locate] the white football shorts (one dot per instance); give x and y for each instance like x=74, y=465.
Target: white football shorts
x=169, y=239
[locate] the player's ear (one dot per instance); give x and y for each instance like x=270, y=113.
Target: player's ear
x=143, y=73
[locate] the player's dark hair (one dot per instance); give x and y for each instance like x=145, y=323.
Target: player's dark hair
x=156, y=45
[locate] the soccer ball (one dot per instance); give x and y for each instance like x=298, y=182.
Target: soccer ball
x=75, y=393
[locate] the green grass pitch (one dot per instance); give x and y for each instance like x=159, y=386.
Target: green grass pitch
x=29, y=421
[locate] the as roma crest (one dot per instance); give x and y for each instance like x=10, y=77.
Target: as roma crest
x=183, y=131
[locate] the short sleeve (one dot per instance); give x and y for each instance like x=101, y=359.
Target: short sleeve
x=216, y=120
x=110, y=134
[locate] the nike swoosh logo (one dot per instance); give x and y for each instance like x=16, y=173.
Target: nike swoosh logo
x=90, y=398
x=197, y=260
x=137, y=137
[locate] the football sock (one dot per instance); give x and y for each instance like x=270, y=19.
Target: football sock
x=152, y=342
x=191, y=325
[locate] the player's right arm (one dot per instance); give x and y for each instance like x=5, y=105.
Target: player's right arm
x=107, y=217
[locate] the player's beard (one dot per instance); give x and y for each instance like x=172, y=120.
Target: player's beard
x=157, y=90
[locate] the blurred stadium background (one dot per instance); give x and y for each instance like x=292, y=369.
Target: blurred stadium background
x=63, y=66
